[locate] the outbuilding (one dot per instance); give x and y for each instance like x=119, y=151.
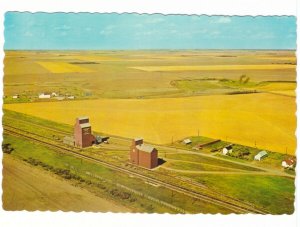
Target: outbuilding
x=187, y=141
x=44, y=96
x=227, y=150
x=289, y=163
x=260, y=155
x=15, y=96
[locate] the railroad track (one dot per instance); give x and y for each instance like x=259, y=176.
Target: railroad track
x=238, y=208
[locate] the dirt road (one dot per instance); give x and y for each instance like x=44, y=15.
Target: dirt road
x=29, y=188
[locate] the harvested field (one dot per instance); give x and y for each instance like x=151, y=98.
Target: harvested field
x=63, y=67
x=29, y=188
x=212, y=67
x=266, y=120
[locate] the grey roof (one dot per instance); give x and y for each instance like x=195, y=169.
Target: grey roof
x=187, y=141
x=85, y=125
x=262, y=153
x=144, y=147
x=83, y=118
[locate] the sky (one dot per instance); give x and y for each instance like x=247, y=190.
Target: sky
x=87, y=31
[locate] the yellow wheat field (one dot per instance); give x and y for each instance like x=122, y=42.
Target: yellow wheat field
x=292, y=58
x=265, y=119
x=95, y=58
x=212, y=67
x=63, y=67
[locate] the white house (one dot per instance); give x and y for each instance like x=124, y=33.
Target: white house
x=187, y=141
x=260, y=155
x=54, y=94
x=71, y=97
x=16, y=96
x=44, y=96
x=227, y=150
x=289, y=163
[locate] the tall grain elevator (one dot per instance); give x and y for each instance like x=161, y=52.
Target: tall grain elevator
x=83, y=132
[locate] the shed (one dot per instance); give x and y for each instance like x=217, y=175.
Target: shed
x=260, y=155
x=44, y=96
x=227, y=149
x=289, y=163
x=16, y=96
x=187, y=141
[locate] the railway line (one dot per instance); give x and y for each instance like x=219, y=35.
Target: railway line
x=232, y=205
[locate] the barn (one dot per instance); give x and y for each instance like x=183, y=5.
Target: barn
x=142, y=154
x=83, y=132
x=289, y=163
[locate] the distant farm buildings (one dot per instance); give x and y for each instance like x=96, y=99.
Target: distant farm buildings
x=227, y=150
x=44, y=96
x=142, y=154
x=83, y=132
x=187, y=141
x=16, y=96
x=260, y=155
x=289, y=163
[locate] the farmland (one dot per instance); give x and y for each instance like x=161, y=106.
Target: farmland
x=28, y=188
x=117, y=153
x=244, y=98
x=214, y=116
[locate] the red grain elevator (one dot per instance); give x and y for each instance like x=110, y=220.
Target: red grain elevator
x=83, y=132
x=142, y=154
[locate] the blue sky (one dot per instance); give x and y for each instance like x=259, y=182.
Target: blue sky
x=134, y=31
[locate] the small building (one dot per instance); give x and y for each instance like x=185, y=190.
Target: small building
x=289, y=163
x=54, y=94
x=227, y=150
x=260, y=155
x=187, y=141
x=69, y=140
x=102, y=139
x=16, y=96
x=83, y=132
x=71, y=97
x=44, y=96
x=142, y=154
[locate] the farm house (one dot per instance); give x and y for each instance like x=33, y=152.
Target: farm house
x=260, y=155
x=15, y=96
x=83, y=132
x=289, y=163
x=142, y=154
x=44, y=96
x=227, y=150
